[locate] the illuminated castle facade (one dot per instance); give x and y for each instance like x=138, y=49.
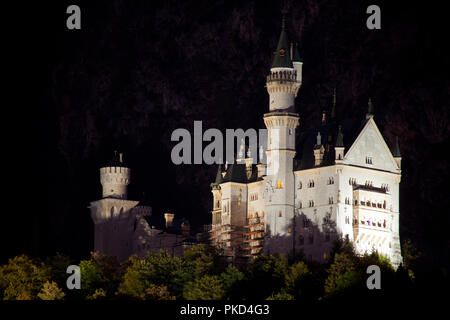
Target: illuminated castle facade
x=337, y=180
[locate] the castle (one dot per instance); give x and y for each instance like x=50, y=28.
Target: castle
x=125, y=227
x=338, y=180
x=344, y=182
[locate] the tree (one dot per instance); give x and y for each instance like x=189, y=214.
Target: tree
x=155, y=292
x=58, y=266
x=410, y=256
x=91, y=278
x=155, y=269
x=203, y=259
x=22, y=278
x=204, y=288
x=266, y=275
x=232, y=280
x=51, y=291
x=283, y=295
x=342, y=274
x=295, y=275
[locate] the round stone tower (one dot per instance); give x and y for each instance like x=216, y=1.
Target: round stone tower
x=115, y=177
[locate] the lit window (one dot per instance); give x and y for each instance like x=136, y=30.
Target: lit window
x=289, y=229
x=280, y=214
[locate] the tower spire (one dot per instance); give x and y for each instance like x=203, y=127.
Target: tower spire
x=369, y=109
x=397, y=153
x=340, y=138
x=333, y=107
x=281, y=57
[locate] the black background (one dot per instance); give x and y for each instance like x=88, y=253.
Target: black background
x=137, y=70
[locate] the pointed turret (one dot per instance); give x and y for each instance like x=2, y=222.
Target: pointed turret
x=318, y=151
x=333, y=107
x=339, y=146
x=218, y=180
x=340, y=138
x=281, y=57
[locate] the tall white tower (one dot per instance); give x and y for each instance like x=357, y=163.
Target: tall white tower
x=283, y=83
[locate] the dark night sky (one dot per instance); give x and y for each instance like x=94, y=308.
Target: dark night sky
x=137, y=70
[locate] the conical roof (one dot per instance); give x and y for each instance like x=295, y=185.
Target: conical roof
x=281, y=57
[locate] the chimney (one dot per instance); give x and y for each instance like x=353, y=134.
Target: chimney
x=169, y=219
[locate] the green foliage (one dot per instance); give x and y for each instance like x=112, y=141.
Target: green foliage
x=232, y=280
x=51, y=291
x=155, y=269
x=157, y=293
x=410, y=256
x=91, y=276
x=266, y=275
x=22, y=278
x=281, y=296
x=100, y=276
x=97, y=295
x=342, y=274
x=204, y=288
x=203, y=259
x=58, y=265
x=294, y=277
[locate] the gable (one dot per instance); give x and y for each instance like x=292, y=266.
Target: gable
x=370, y=143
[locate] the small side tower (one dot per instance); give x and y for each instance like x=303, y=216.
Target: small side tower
x=115, y=177
x=114, y=216
x=339, y=147
x=319, y=150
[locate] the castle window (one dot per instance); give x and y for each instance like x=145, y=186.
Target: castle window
x=305, y=222
x=300, y=185
x=280, y=213
x=311, y=184
x=330, y=180
x=368, y=160
x=250, y=216
x=279, y=184
x=330, y=200
x=300, y=205
x=289, y=230
x=356, y=202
